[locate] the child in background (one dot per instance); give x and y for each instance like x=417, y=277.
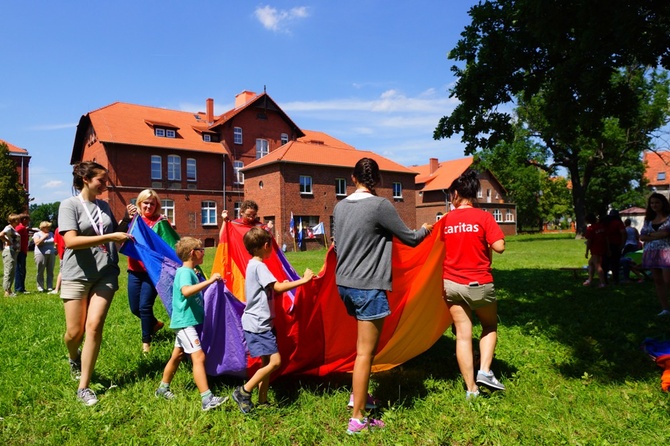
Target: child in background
x=187, y=312
x=257, y=320
x=596, y=244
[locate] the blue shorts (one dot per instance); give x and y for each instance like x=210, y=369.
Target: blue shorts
x=261, y=344
x=365, y=305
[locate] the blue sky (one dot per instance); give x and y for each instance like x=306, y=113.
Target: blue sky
x=372, y=73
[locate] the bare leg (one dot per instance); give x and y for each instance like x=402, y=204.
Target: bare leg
x=172, y=365
x=366, y=347
x=75, y=322
x=488, y=317
x=95, y=323
x=261, y=378
x=462, y=316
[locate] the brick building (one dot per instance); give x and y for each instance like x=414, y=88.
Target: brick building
x=192, y=160
x=657, y=171
x=433, y=200
x=307, y=178
x=22, y=159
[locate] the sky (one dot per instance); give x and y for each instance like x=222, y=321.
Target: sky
x=372, y=73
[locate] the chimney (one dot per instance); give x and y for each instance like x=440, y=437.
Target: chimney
x=244, y=97
x=210, y=110
x=434, y=164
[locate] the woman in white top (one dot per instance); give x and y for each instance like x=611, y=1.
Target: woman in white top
x=45, y=256
x=90, y=271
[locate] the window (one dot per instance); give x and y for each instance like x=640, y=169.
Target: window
x=170, y=134
x=305, y=184
x=174, y=168
x=159, y=132
x=340, y=186
x=284, y=138
x=168, y=210
x=438, y=216
x=207, y=137
x=208, y=213
x=190, y=169
x=236, y=209
x=479, y=193
x=156, y=167
x=509, y=215
x=262, y=148
x=237, y=135
x=397, y=190
x=660, y=176
x=239, y=176
x=497, y=214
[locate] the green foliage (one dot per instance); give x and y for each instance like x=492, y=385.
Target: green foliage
x=568, y=354
x=592, y=96
x=44, y=212
x=13, y=198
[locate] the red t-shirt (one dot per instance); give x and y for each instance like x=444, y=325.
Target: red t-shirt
x=597, y=239
x=615, y=229
x=60, y=243
x=468, y=234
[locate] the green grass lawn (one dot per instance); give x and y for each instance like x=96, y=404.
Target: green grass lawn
x=569, y=355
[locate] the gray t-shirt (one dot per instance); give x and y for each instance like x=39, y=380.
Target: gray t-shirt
x=260, y=309
x=364, y=228
x=89, y=263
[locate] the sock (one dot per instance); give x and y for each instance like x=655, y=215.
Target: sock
x=206, y=395
x=164, y=385
x=244, y=392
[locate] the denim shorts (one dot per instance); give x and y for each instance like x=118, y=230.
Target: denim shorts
x=365, y=305
x=475, y=296
x=261, y=344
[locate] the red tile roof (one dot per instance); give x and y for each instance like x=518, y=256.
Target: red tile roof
x=444, y=175
x=318, y=148
x=13, y=149
x=123, y=123
x=657, y=162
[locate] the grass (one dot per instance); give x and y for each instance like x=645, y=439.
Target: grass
x=569, y=356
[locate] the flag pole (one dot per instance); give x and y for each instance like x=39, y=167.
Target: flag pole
x=325, y=243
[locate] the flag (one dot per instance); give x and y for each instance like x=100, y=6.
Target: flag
x=291, y=226
x=160, y=260
x=319, y=229
x=300, y=232
x=310, y=233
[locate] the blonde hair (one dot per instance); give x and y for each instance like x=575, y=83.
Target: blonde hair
x=13, y=218
x=184, y=247
x=147, y=194
x=45, y=225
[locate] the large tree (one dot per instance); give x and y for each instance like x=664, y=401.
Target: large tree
x=13, y=197
x=567, y=72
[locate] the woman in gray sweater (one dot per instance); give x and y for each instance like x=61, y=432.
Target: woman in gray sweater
x=364, y=228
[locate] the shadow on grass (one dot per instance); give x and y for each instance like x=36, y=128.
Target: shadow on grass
x=603, y=328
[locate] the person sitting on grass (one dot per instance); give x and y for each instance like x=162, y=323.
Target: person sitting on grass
x=187, y=312
x=257, y=320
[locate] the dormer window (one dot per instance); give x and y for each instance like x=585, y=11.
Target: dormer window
x=207, y=137
x=159, y=132
x=163, y=129
x=170, y=133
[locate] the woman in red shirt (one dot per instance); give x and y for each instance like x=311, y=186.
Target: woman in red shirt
x=470, y=235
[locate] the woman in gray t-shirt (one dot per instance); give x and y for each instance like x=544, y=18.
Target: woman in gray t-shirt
x=90, y=271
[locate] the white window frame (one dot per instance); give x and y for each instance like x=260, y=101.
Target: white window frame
x=174, y=168
x=479, y=193
x=509, y=215
x=340, y=187
x=207, y=137
x=191, y=169
x=167, y=209
x=236, y=209
x=306, y=185
x=397, y=190
x=238, y=177
x=497, y=215
x=159, y=132
x=284, y=138
x=262, y=148
x=237, y=135
x=156, y=167
x=208, y=213
x=660, y=176
x=169, y=133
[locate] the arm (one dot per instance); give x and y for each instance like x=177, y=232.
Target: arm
x=281, y=287
x=74, y=241
x=498, y=246
x=388, y=217
x=39, y=240
x=190, y=290
x=224, y=215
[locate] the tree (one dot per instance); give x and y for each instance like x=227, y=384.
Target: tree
x=13, y=197
x=583, y=78
x=44, y=212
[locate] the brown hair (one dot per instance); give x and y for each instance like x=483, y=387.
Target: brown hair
x=366, y=172
x=255, y=239
x=85, y=169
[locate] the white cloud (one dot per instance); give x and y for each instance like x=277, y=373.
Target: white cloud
x=53, y=184
x=279, y=20
x=49, y=127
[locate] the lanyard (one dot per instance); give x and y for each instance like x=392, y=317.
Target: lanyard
x=97, y=228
